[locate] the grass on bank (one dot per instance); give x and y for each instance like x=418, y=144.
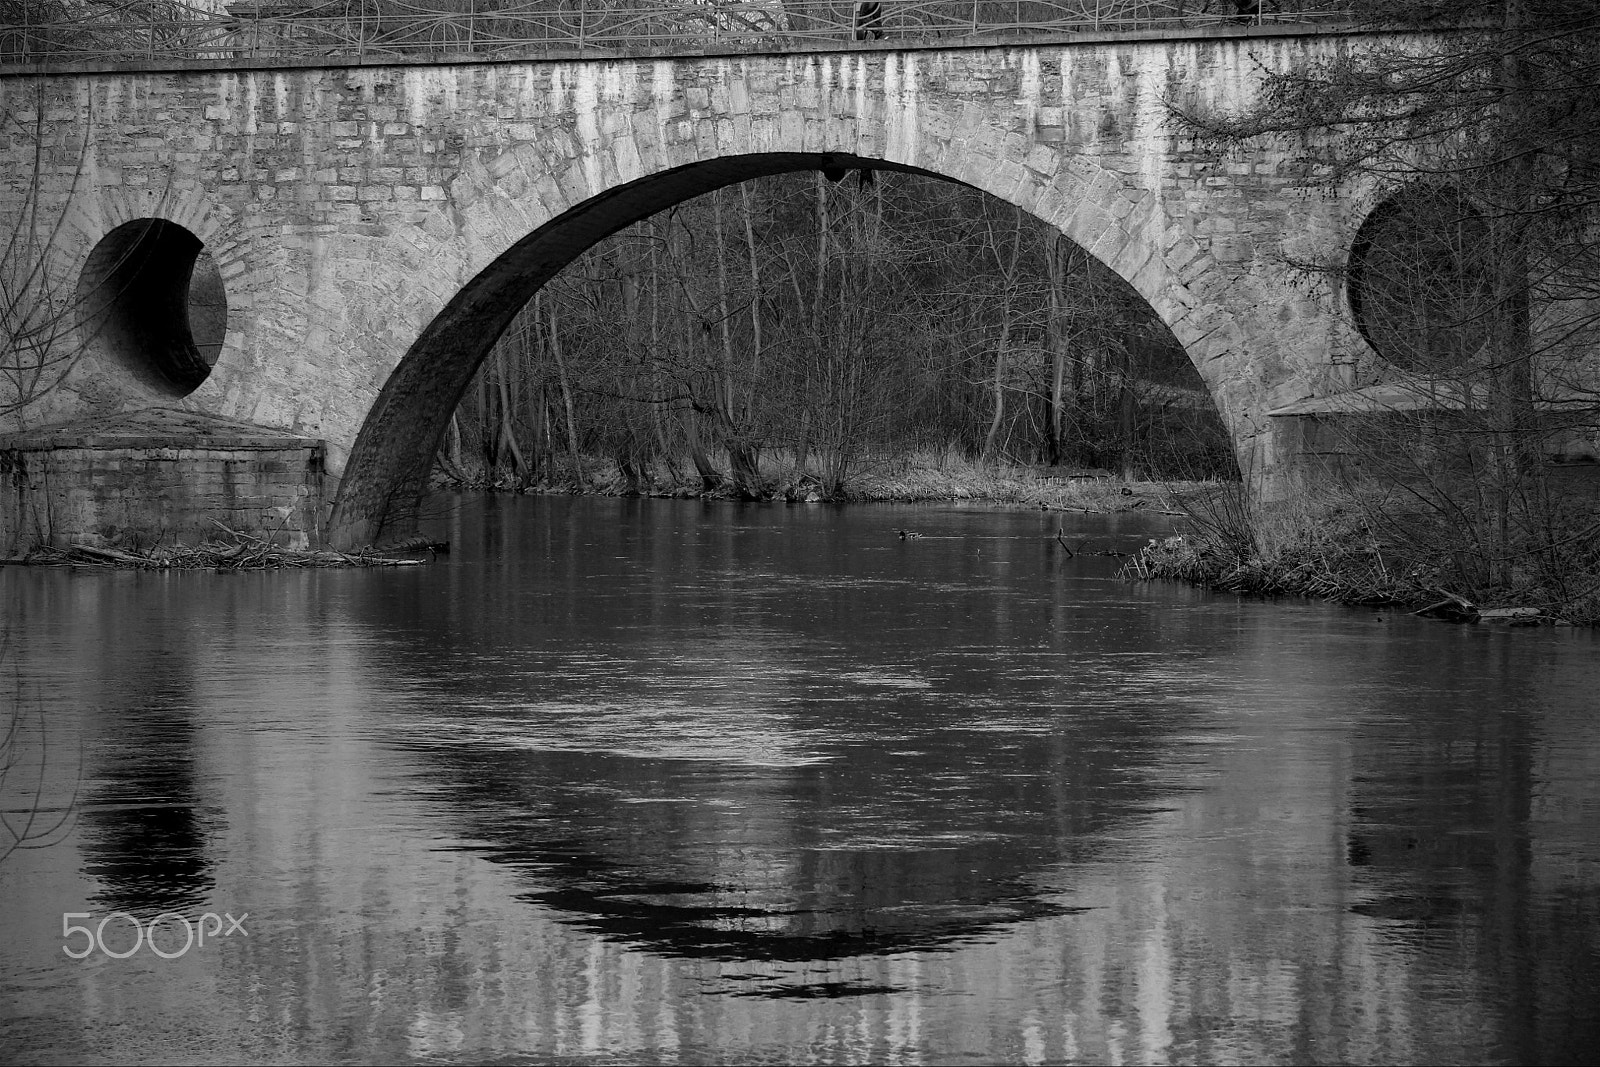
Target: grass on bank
x=916, y=477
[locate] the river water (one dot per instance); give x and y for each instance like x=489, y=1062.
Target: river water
x=669, y=781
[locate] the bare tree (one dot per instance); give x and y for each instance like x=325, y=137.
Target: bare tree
x=39, y=311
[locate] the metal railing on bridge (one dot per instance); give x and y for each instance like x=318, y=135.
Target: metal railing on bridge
x=46, y=31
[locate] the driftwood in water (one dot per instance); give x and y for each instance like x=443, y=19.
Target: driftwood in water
x=245, y=552
x=1452, y=608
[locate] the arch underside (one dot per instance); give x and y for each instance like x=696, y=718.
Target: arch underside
x=389, y=464
x=387, y=472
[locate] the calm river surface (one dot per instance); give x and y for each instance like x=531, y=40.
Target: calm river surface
x=637, y=780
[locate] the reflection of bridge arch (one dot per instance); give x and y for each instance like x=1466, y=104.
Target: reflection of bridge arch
x=860, y=854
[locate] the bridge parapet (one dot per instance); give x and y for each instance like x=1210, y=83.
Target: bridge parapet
x=386, y=30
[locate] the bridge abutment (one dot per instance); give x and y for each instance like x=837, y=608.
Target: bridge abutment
x=159, y=477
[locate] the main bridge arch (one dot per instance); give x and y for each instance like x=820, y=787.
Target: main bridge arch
x=377, y=227
x=389, y=463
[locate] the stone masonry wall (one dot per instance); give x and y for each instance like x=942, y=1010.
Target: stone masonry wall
x=134, y=497
x=375, y=226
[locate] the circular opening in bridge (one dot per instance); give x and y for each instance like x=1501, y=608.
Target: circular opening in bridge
x=1421, y=280
x=151, y=296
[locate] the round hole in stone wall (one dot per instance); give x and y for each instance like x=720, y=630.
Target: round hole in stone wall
x=1420, y=280
x=152, y=297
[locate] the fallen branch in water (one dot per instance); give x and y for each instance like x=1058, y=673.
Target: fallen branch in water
x=246, y=553
x=1453, y=608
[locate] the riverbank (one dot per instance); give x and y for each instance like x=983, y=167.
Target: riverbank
x=922, y=477
x=1330, y=551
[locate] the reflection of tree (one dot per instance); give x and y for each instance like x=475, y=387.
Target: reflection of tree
x=27, y=819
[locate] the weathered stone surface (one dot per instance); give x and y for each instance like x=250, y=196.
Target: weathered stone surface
x=158, y=475
x=376, y=226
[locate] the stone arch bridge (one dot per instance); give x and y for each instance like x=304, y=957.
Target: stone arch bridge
x=375, y=226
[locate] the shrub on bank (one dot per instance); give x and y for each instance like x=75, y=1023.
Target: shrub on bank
x=1355, y=549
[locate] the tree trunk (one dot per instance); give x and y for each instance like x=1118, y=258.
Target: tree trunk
x=743, y=452
x=553, y=338
x=802, y=447
x=658, y=403
x=991, y=441
x=1127, y=408
x=1055, y=450
x=812, y=360
x=1007, y=267
x=756, y=339
x=508, y=434
x=710, y=476
x=1520, y=466
x=488, y=438
x=538, y=431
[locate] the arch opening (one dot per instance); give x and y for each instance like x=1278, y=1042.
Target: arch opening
x=394, y=453
x=151, y=298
